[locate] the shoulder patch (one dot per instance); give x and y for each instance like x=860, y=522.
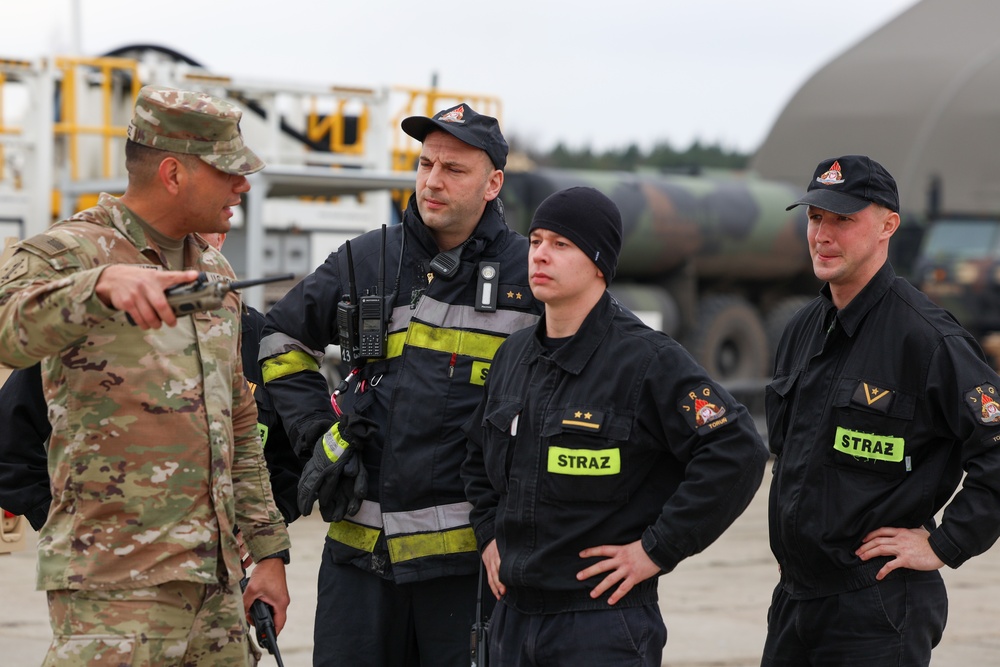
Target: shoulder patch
x=50, y=245
x=14, y=269
x=984, y=403
x=702, y=407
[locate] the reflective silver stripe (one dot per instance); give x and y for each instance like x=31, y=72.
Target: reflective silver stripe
x=428, y=520
x=369, y=515
x=401, y=316
x=450, y=316
x=278, y=343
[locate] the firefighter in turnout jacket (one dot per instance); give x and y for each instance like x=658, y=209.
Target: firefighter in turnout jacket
x=398, y=578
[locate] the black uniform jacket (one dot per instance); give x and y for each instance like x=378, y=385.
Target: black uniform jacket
x=874, y=413
x=414, y=523
x=24, y=472
x=24, y=476
x=617, y=435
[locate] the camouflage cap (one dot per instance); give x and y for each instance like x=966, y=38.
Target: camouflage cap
x=192, y=123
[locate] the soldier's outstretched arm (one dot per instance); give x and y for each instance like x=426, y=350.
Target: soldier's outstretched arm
x=140, y=292
x=48, y=299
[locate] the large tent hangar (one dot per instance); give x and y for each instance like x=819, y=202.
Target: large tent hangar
x=921, y=95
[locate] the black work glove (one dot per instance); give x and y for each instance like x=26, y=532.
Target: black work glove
x=335, y=474
x=347, y=494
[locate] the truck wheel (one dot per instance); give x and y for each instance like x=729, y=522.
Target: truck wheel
x=730, y=342
x=779, y=317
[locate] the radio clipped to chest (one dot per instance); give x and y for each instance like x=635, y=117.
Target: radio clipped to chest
x=363, y=322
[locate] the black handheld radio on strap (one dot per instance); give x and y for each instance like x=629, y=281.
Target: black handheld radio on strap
x=347, y=315
x=363, y=322
x=371, y=317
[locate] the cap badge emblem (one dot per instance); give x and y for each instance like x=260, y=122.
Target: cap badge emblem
x=832, y=176
x=454, y=116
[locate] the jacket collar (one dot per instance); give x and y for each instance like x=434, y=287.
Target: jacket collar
x=574, y=354
x=125, y=221
x=489, y=229
x=852, y=314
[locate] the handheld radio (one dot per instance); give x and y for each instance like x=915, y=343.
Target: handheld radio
x=362, y=322
x=371, y=317
x=347, y=315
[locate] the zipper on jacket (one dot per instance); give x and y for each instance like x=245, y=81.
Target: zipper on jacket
x=451, y=364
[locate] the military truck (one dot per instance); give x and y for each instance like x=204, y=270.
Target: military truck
x=712, y=259
x=958, y=267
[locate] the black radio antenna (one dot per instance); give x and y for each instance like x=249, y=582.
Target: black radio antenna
x=381, y=265
x=351, y=290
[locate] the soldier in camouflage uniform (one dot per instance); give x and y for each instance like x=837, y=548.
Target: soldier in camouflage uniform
x=154, y=455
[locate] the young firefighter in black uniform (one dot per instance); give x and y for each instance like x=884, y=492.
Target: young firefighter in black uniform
x=879, y=401
x=397, y=584
x=600, y=457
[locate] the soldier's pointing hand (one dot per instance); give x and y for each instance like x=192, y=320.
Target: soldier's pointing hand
x=140, y=292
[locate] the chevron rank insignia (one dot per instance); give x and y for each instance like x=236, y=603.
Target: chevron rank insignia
x=873, y=397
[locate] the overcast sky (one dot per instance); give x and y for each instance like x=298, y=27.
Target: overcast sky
x=584, y=72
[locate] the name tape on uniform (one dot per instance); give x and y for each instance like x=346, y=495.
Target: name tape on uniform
x=593, y=462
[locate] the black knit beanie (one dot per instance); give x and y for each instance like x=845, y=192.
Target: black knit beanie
x=587, y=218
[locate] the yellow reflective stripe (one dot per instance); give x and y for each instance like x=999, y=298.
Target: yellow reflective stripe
x=422, y=545
x=588, y=462
x=334, y=444
x=394, y=346
x=453, y=316
x=354, y=535
x=466, y=343
x=287, y=363
x=869, y=446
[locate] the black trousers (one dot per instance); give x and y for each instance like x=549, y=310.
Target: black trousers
x=363, y=620
x=895, y=622
x=612, y=637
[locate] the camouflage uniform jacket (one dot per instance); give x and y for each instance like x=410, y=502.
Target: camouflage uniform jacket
x=154, y=455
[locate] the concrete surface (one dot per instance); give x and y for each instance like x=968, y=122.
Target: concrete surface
x=714, y=604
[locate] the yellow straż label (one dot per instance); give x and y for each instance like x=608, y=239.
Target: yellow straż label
x=592, y=462
x=869, y=446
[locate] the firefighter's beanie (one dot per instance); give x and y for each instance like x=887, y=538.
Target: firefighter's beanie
x=589, y=219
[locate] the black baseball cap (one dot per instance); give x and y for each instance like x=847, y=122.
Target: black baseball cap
x=847, y=184
x=463, y=123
